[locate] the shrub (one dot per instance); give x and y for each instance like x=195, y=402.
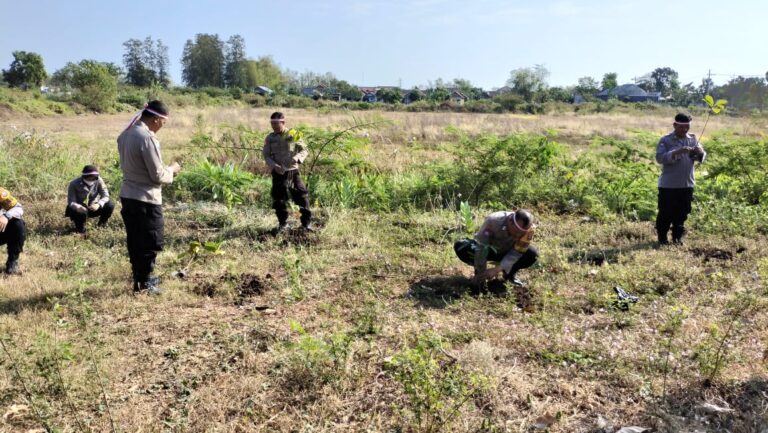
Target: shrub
x=437, y=387
x=421, y=106
x=132, y=97
x=96, y=83
x=225, y=183
x=510, y=101
x=307, y=364
x=215, y=92
x=483, y=106
x=255, y=100
x=495, y=168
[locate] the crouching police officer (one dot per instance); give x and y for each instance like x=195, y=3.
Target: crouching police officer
x=12, y=230
x=88, y=197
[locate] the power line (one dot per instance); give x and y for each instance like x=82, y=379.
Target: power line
x=738, y=75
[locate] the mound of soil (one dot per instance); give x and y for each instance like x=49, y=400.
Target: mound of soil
x=250, y=285
x=204, y=288
x=713, y=253
x=299, y=236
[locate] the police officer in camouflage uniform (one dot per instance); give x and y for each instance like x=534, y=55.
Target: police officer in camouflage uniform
x=284, y=151
x=504, y=238
x=12, y=230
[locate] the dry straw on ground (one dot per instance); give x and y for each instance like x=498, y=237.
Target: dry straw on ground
x=208, y=356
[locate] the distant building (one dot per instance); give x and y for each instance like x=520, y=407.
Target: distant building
x=500, y=91
x=413, y=95
x=629, y=93
x=369, y=98
x=262, y=90
x=369, y=92
x=457, y=97
x=315, y=92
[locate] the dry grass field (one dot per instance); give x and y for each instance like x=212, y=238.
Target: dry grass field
x=368, y=325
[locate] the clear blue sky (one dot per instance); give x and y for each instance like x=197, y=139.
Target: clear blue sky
x=412, y=42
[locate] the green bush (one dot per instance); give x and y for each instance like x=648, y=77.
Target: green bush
x=735, y=168
x=510, y=101
x=95, y=82
x=494, y=168
x=483, y=106
x=215, y=92
x=436, y=385
x=33, y=165
x=421, y=106
x=225, y=183
x=132, y=97
x=255, y=100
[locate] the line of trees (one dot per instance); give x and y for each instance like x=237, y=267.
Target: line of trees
x=208, y=61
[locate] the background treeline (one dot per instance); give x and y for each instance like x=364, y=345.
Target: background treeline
x=215, y=71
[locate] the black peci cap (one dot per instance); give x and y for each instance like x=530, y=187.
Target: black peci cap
x=683, y=118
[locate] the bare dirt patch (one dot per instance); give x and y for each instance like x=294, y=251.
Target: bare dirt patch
x=708, y=254
x=251, y=285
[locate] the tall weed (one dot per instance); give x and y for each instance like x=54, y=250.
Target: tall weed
x=226, y=183
x=437, y=387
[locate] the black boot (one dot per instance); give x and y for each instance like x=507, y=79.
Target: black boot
x=678, y=235
x=12, y=267
x=149, y=286
x=662, y=237
x=512, y=278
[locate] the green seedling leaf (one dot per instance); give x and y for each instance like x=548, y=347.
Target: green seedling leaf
x=709, y=100
x=296, y=327
x=213, y=247
x=193, y=250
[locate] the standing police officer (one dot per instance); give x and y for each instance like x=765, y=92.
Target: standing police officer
x=677, y=152
x=283, y=151
x=141, y=194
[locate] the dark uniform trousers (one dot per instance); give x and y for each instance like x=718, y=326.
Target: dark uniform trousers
x=465, y=251
x=674, y=207
x=14, y=236
x=104, y=213
x=289, y=185
x=144, y=234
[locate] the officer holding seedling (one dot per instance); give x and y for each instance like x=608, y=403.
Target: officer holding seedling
x=144, y=174
x=504, y=238
x=677, y=153
x=88, y=197
x=12, y=230
x=283, y=151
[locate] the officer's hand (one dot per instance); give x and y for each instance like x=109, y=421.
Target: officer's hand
x=683, y=150
x=175, y=168
x=94, y=207
x=485, y=275
x=80, y=208
x=278, y=169
x=3, y=223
